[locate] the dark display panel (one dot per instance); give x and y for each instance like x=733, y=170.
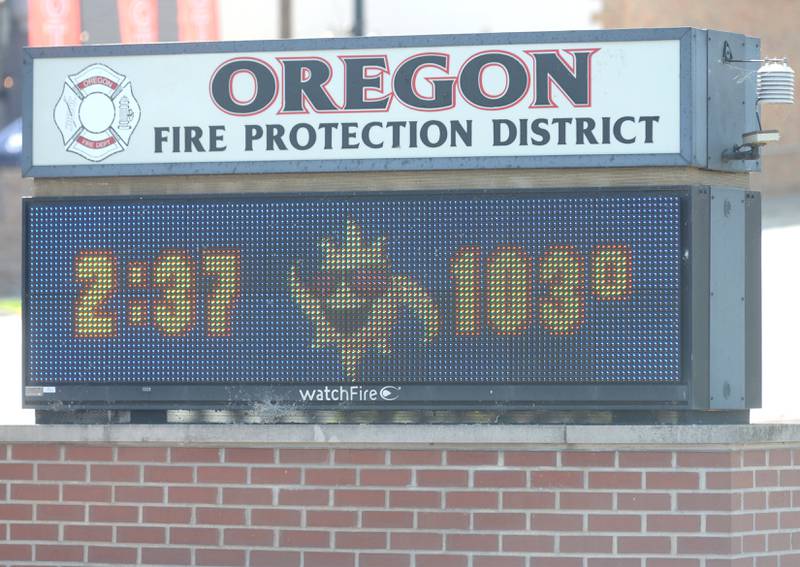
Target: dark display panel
x=388, y=290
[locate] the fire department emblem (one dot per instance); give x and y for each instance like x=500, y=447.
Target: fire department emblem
x=96, y=113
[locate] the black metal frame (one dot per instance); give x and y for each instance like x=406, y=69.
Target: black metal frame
x=690, y=393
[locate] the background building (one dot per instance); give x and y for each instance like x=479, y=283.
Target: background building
x=775, y=22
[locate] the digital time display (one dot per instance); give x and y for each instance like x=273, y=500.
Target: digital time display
x=383, y=289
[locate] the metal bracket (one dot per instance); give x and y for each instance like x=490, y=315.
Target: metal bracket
x=727, y=56
x=753, y=141
x=742, y=152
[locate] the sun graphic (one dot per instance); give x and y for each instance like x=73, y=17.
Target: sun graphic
x=353, y=301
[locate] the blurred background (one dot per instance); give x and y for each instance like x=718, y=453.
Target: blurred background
x=82, y=22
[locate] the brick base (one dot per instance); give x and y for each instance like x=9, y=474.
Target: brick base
x=332, y=505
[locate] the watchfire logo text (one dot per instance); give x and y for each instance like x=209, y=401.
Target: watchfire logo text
x=351, y=393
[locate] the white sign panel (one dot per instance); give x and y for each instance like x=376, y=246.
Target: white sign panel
x=424, y=105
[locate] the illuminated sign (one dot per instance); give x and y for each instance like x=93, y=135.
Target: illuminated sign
x=407, y=298
x=620, y=98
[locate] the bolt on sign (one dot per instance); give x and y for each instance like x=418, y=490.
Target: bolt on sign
x=612, y=298
x=516, y=100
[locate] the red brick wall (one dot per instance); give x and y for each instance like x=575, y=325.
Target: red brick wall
x=252, y=505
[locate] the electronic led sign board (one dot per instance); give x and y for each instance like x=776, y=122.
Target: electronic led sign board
x=399, y=299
